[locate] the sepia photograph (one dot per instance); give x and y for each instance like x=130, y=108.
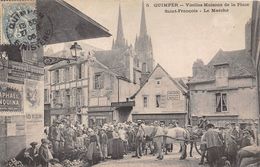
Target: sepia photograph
x=129, y=83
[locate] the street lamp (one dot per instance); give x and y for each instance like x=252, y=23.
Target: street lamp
x=74, y=49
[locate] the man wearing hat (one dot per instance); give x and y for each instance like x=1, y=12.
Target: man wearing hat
x=139, y=139
x=234, y=132
x=32, y=155
x=247, y=139
x=44, y=153
x=214, y=143
x=203, y=122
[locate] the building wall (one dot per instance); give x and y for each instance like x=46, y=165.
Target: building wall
x=241, y=99
x=174, y=100
x=21, y=119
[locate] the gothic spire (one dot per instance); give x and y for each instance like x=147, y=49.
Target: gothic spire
x=143, y=29
x=120, y=34
x=120, y=40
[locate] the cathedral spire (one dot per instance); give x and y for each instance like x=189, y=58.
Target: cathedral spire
x=120, y=40
x=143, y=45
x=120, y=33
x=143, y=29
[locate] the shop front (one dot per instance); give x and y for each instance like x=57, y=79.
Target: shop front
x=98, y=116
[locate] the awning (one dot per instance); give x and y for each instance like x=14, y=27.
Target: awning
x=68, y=23
x=123, y=104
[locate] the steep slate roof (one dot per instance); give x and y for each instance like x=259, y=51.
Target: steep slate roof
x=113, y=59
x=239, y=62
x=177, y=81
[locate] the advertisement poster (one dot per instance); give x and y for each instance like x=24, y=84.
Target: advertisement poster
x=33, y=100
x=11, y=98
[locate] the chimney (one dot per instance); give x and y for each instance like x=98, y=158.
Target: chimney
x=197, y=67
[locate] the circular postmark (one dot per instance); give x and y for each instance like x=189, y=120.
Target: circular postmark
x=28, y=28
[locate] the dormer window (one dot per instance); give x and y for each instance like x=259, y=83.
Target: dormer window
x=221, y=75
x=158, y=81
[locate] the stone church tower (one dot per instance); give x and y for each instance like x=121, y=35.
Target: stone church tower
x=143, y=46
x=120, y=41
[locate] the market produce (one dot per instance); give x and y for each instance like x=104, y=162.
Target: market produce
x=74, y=163
x=13, y=163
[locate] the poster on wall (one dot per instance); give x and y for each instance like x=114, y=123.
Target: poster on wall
x=11, y=98
x=33, y=100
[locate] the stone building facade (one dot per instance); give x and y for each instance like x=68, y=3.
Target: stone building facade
x=161, y=98
x=225, y=88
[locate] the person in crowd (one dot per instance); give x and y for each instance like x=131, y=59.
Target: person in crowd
x=203, y=149
x=234, y=132
x=110, y=140
x=131, y=138
x=70, y=138
x=139, y=139
x=203, y=122
x=94, y=154
x=62, y=129
x=213, y=140
x=231, y=149
x=123, y=136
x=50, y=134
x=103, y=142
x=176, y=124
x=251, y=131
x=117, y=145
x=44, y=153
x=247, y=139
x=32, y=154
x=56, y=139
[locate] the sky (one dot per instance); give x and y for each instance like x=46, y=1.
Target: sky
x=178, y=39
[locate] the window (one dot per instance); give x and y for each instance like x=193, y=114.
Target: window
x=46, y=96
x=158, y=81
x=221, y=102
x=98, y=81
x=222, y=76
x=66, y=74
x=67, y=98
x=144, y=68
x=79, y=99
x=56, y=98
x=79, y=72
x=56, y=76
x=145, y=101
x=45, y=76
x=158, y=101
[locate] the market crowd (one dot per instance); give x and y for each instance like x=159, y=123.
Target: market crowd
x=220, y=145
x=67, y=141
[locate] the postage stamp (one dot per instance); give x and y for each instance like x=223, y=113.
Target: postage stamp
x=23, y=26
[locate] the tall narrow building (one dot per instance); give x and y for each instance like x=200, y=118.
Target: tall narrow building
x=143, y=46
x=120, y=41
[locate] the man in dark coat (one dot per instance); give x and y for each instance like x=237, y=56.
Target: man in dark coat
x=44, y=153
x=32, y=154
x=139, y=139
x=214, y=142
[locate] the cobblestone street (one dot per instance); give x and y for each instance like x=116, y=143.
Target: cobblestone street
x=170, y=160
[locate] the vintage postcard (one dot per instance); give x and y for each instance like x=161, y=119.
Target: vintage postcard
x=126, y=83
